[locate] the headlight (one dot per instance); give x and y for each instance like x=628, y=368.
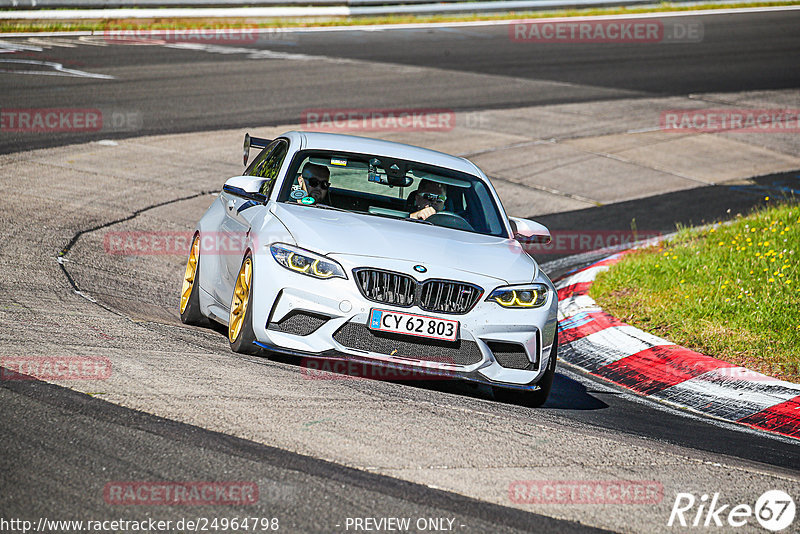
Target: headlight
x=306, y=262
x=523, y=296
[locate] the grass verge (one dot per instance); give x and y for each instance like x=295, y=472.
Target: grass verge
x=13, y=26
x=731, y=291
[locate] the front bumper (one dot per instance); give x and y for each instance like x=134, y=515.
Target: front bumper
x=303, y=316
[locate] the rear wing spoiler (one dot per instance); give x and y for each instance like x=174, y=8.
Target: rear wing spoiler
x=253, y=142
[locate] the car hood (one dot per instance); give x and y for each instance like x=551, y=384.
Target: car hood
x=337, y=232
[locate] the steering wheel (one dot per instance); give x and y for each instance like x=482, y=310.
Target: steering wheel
x=448, y=219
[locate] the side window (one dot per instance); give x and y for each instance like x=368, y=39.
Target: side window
x=268, y=164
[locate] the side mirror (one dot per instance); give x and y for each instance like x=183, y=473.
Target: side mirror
x=245, y=187
x=528, y=231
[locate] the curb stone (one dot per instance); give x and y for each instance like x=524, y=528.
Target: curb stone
x=604, y=346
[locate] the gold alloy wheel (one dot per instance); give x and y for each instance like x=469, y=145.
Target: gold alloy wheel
x=241, y=298
x=191, y=271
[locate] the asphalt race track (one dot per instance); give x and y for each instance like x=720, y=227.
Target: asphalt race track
x=232, y=87
x=179, y=406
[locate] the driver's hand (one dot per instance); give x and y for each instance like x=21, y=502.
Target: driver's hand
x=424, y=213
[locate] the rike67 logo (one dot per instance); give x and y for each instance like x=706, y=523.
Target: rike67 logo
x=774, y=510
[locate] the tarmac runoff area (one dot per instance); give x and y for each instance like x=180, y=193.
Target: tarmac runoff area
x=542, y=160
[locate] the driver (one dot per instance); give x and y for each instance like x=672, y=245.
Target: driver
x=315, y=181
x=429, y=198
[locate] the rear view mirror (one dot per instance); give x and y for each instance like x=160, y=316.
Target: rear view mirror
x=528, y=231
x=404, y=181
x=245, y=187
x=395, y=174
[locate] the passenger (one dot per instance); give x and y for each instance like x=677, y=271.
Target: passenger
x=314, y=180
x=429, y=198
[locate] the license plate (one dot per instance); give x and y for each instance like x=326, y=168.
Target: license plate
x=413, y=325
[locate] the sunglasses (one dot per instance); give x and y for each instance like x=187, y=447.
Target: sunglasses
x=315, y=182
x=433, y=197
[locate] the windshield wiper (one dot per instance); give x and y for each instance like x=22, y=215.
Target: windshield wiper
x=397, y=217
x=423, y=221
x=326, y=207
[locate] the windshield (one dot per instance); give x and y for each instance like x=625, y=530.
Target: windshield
x=389, y=187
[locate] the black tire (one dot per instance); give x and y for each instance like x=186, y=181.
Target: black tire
x=244, y=342
x=532, y=399
x=191, y=313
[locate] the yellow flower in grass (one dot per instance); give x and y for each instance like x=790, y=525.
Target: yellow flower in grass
x=771, y=280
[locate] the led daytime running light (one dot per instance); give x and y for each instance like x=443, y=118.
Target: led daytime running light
x=309, y=264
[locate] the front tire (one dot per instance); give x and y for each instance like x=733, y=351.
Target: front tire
x=240, y=320
x=532, y=399
x=190, y=290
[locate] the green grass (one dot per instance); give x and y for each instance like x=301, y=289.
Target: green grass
x=731, y=291
x=11, y=26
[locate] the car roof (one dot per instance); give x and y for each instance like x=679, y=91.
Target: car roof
x=379, y=147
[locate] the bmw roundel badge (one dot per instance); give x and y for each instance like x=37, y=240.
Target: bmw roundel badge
x=420, y=269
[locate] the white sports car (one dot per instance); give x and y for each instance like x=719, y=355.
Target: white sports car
x=368, y=250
